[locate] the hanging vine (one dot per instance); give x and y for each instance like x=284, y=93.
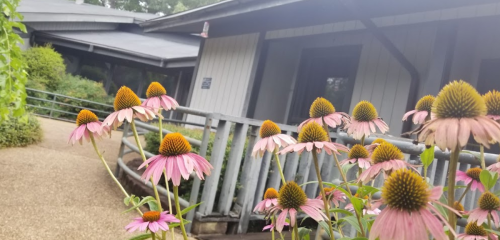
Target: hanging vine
x=12, y=68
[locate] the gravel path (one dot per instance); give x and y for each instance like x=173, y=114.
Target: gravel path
x=57, y=191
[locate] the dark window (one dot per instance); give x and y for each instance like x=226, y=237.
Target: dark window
x=324, y=72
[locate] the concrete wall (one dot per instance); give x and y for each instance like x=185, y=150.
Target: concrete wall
x=228, y=61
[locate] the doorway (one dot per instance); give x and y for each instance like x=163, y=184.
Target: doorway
x=324, y=72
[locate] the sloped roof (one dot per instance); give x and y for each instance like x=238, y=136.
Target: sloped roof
x=153, y=49
x=69, y=11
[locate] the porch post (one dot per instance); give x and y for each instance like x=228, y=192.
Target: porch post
x=109, y=77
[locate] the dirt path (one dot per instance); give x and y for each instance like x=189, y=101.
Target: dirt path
x=57, y=191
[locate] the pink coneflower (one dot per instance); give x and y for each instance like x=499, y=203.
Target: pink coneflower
x=322, y=111
x=422, y=110
x=386, y=157
x=271, y=139
x=313, y=136
x=495, y=167
x=176, y=158
x=127, y=106
x=367, y=209
x=152, y=221
x=87, y=123
x=293, y=199
x=358, y=154
x=157, y=97
x=409, y=213
x=459, y=110
x=475, y=232
x=270, y=200
x=334, y=195
x=270, y=227
x=488, y=204
x=492, y=101
x=471, y=177
x=375, y=144
x=363, y=121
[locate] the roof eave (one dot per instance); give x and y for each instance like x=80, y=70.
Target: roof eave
x=207, y=14
x=117, y=53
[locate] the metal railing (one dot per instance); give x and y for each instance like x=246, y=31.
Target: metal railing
x=245, y=179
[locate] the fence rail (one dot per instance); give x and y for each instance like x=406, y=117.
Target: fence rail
x=244, y=179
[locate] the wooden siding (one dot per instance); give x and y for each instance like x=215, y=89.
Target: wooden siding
x=383, y=81
x=228, y=61
x=476, y=41
x=481, y=10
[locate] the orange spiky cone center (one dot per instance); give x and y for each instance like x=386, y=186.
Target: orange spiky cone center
x=155, y=89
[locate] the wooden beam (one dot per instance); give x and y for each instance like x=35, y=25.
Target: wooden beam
x=393, y=50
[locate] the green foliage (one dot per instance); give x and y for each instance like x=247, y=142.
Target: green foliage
x=78, y=87
x=143, y=236
x=12, y=67
x=45, y=65
x=20, y=131
x=488, y=179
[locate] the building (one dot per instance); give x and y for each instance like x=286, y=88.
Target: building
x=271, y=59
x=94, y=38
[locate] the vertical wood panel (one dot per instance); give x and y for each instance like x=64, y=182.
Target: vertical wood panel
x=228, y=61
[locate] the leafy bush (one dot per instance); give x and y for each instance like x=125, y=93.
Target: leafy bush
x=45, y=66
x=20, y=132
x=153, y=144
x=78, y=87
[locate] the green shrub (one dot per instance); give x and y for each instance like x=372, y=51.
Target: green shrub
x=45, y=66
x=78, y=87
x=153, y=144
x=20, y=132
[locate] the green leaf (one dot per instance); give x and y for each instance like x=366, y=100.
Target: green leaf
x=142, y=202
x=354, y=222
x=341, y=211
x=186, y=210
x=325, y=226
x=357, y=203
x=427, y=156
x=173, y=225
x=304, y=233
x=346, y=167
x=487, y=179
x=126, y=200
x=141, y=237
x=367, y=190
x=153, y=206
x=493, y=231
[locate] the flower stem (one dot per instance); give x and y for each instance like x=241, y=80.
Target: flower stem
x=153, y=236
x=325, y=199
x=344, y=178
x=452, y=173
x=160, y=126
x=178, y=209
x=296, y=231
x=141, y=151
x=481, y=156
x=272, y=229
x=109, y=170
x=279, y=167
x=463, y=194
x=363, y=140
x=489, y=225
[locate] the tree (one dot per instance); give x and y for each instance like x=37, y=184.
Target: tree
x=160, y=7
x=12, y=67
